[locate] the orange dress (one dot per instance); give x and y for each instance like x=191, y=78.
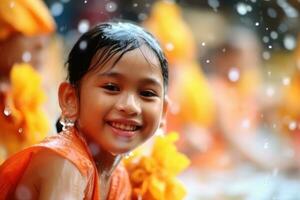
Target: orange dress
x=71, y=146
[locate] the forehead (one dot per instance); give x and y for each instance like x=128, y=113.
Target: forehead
x=138, y=61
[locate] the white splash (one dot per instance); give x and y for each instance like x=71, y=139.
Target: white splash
x=234, y=74
x=270, y=91
x=266, y=55
x=242, y=8
x=111, y=6
x=274, y=35
x=214, y=4
x=289, y=42
x=169, y=46
x=57, y=9
x=286, y=81
x=83, y=26
x=293, y=125
x=288, y=9
x=83, y=45
x=26, y=56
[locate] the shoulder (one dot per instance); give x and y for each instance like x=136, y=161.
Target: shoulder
x=49, y=174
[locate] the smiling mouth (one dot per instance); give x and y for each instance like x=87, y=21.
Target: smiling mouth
x=124, y=126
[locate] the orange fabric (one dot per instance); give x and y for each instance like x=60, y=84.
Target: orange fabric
x=71, y=146
x=29, y=17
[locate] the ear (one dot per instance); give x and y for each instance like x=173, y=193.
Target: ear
x=163, y=121
x=68, y=101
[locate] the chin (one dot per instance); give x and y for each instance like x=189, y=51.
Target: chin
x=120, y=151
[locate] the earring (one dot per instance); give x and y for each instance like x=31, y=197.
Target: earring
x=66, y=123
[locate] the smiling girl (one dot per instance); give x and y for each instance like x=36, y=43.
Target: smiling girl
x=114, y=100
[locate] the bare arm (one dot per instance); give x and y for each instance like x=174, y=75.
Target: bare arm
x=50, y=176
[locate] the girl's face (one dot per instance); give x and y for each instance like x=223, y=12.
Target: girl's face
x=120, y=107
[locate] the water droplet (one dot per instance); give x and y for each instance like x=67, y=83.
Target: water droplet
x=266, y=145
x=203, y=44
x=245, y=123
x=169, y=46
x=142, y=16
x=111, y=6
x=83, y=45
x=270, y=91
x=85, y=1
x=286, y=81
x=288, y=9
x=266, y=39
x=83, y=26
x=234, y=74
x=270, y=46
x=224, y=50
x=249, y=8
x=272, y=12
x=256, y=23
x=214, y=4
x=128, y=155
x=207, y=61
x=274, y=35
x=7, y=111
x=241, y=8
x=266, y=55
x=283, y=27
x=135, y=5
x=289, y=42
x=20, y=130
x=57, y=9
x=293, y=125
x=26, y=56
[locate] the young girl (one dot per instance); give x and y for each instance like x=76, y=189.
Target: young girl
x=114, y=101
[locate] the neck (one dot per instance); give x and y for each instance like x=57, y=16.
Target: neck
x=105, y=161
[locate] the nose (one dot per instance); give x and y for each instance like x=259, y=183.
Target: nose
x=129, y=104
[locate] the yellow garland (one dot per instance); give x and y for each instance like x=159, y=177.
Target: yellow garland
x=27, y=122
x=153, y=177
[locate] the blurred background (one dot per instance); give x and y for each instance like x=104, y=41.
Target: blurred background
x=234, y=86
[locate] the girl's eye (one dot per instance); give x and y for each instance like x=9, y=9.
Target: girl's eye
x=111, y=87
x=148, y=93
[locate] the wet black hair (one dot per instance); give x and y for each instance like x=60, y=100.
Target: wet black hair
x=107, y=40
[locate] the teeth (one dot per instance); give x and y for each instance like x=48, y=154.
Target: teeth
x=124, y=127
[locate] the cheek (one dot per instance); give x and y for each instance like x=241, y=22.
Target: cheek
x=154, y=113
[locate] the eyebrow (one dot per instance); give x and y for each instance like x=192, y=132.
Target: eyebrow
x=147, y=80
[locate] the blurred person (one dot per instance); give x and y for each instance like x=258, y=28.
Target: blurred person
x=192, y=110
x=25, y=26
x=288, y=112
x=235, y=74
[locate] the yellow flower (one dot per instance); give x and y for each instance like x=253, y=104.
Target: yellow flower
x=27, y=123
x=153, y=177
